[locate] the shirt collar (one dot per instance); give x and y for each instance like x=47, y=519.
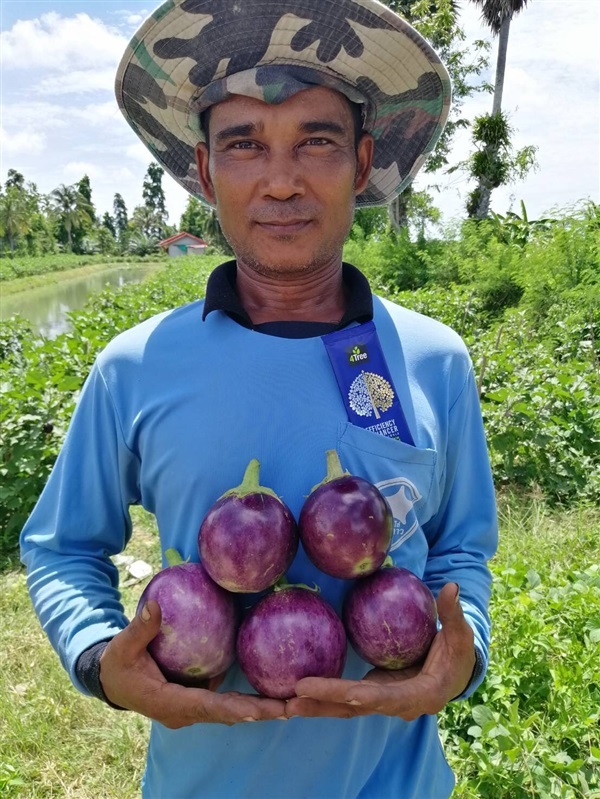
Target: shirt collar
x=221, y=296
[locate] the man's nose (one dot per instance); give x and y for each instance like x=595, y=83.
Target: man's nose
x=282, y=177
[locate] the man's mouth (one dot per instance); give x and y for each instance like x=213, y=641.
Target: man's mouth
x=284, y=226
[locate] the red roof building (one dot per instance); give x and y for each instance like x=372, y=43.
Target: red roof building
x=183, y=244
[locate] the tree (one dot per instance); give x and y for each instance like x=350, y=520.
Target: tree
x=370, y=222
x=213, y=233
x=494, y=164
x=195, y=217
x=120, y=214
x=202, y=221
x=15, y=216
x=146, y=221
x=105, y=240
x=14, y=178
x=85, y=189
x=437, y=21
x=71, y=208
x=143, y=243
x=154, y=198
x=121, y=222
x=109, y=224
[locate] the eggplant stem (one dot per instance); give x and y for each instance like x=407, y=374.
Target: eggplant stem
x=250, y=483
x=334, y=469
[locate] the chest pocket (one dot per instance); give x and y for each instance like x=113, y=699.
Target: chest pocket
x=406, y=476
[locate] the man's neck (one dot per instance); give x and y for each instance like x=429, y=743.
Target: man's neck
x=315, y=296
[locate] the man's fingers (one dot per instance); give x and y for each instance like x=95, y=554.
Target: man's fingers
x=325, y=689
x=367, y=695
x=312, y=708
x=243, y=707
x=345, y=699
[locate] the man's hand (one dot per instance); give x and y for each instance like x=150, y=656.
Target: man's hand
x=409, y=693
x=131, y=679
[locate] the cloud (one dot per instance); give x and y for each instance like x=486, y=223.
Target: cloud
x=139, y=152
x=61, y=44
x=32, y=115
x=76, y=82
x=21, y=142
x=105, y=114
x=76, y=170
x=133, y=18
x=100, y=174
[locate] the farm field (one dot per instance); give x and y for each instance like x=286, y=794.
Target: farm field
x=527, y=304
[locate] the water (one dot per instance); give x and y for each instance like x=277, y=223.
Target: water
x=46, y=307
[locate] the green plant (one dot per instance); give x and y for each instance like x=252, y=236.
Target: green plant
x=40, y=380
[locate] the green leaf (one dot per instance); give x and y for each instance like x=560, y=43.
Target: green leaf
x=482, y=715
x=533, y=578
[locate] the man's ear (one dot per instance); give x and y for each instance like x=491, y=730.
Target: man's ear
x=202, y=159
x=364, y=160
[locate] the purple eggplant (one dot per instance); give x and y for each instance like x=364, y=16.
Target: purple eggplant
x=345, y=524
x=249, y=537
x=291, y=633
x=199, y=622
x=391, y=618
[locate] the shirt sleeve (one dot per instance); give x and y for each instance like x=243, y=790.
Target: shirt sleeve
x=80, y=520
x=463, y=534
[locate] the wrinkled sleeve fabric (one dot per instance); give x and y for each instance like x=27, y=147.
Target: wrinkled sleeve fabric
x=80, y=520
x=463, y=534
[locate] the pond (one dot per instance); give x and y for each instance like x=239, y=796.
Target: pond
x=46, y=307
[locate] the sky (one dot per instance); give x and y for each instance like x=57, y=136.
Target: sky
x=59, y=118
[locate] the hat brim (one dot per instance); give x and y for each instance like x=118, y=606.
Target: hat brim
x=187, y=44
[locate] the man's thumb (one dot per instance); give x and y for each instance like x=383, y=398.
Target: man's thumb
x=145, y=625
x=448, y=605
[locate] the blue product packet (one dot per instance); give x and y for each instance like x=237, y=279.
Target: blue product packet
x=365, y=381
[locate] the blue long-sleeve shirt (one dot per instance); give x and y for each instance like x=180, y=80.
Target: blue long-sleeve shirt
x=171, y=414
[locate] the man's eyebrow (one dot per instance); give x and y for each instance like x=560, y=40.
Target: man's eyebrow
x=324, y=126
x=235, y=131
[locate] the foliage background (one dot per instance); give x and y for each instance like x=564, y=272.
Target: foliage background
x=525, y=296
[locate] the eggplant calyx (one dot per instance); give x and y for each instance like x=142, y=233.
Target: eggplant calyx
x=174, y=558
x=282, y=584
x=250, y=483
x=334, y=469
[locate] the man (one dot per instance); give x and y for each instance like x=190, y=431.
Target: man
x=284, y=116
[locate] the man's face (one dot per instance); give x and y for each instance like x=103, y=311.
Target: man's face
x=284, y=178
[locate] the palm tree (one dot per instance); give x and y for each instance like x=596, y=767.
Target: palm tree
x=71, y=208
x=15, y=216
x=498, y=14
x=146, y=220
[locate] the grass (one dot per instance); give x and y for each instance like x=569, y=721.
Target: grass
x=56, y=742
x=531, y=731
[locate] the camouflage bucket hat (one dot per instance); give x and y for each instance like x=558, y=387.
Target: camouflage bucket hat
x=190, y=54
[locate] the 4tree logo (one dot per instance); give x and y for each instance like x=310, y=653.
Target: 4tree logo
x=357, y=354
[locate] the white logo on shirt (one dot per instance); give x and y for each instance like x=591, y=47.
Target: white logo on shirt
x=402, y=495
